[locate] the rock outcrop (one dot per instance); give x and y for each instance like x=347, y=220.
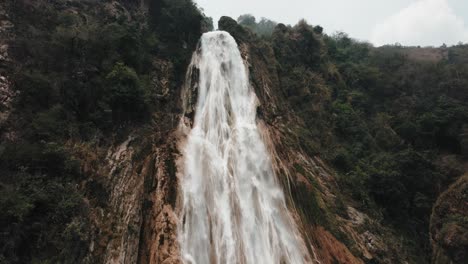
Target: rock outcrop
x=449, y=225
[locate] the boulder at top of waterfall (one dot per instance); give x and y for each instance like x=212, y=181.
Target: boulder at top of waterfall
x=237, y=31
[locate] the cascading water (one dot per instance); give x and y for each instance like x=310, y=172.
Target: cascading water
x=233, y=208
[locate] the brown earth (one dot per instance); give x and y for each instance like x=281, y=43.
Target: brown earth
x=449, y=224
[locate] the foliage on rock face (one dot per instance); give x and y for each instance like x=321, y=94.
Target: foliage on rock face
x=393, y=122
x=382, y=118
x=179, y=24
x=84, y=71
x=298, y=45
x=38, y=201
x=393, y=118
x=126, y=93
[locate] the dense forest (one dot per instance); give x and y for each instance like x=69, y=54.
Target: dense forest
x=393, y=127
x=391, y=121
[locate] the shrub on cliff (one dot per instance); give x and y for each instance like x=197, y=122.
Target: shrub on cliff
x=264, y=28
x=298, y=45
x=37, y=200
x=126, y=94
x=179, y=23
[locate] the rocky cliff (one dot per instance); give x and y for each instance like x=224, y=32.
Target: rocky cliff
x=108, y=158
x=449, y=226
x=92, y=93
x=337, y=232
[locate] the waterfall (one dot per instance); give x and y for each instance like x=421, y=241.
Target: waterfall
x=233, y=208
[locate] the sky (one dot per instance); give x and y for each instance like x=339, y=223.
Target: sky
x=408, y=22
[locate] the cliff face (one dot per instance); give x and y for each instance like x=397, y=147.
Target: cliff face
x=449, y=226
x=349, y=128
x=336, y=231
x=92, y=93
x=131, y=191
x=88, y=145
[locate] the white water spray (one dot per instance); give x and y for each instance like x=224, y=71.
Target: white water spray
x=233, y=210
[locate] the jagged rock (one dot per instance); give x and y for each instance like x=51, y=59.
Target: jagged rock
x=137, y=222
x=161, y=78
x=371, y=241
x=356, y=217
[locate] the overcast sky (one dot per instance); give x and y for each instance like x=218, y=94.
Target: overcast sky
x=409, y=22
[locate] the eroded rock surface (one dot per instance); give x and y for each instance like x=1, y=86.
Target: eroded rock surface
x=449, y=226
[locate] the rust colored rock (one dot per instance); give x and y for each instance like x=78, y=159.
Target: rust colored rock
x=449, y=229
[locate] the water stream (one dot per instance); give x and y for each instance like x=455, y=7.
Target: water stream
x=233, y=208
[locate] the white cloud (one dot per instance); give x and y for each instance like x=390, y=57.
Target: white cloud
x=424, y=22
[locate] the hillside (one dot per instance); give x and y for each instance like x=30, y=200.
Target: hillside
x=369, y=144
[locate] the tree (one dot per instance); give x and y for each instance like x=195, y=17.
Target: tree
x=125, y=93
x=264, y=28
x=247, y=20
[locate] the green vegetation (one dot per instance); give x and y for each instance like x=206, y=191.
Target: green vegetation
x=39, y=203
x=264, y=28
x=84, y=72
x=381, y=119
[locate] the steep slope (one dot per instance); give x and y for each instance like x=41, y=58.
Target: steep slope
x=311, y=184
x=363, y=140
x=449, y=224
x=87, y=148
x=338, y=113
